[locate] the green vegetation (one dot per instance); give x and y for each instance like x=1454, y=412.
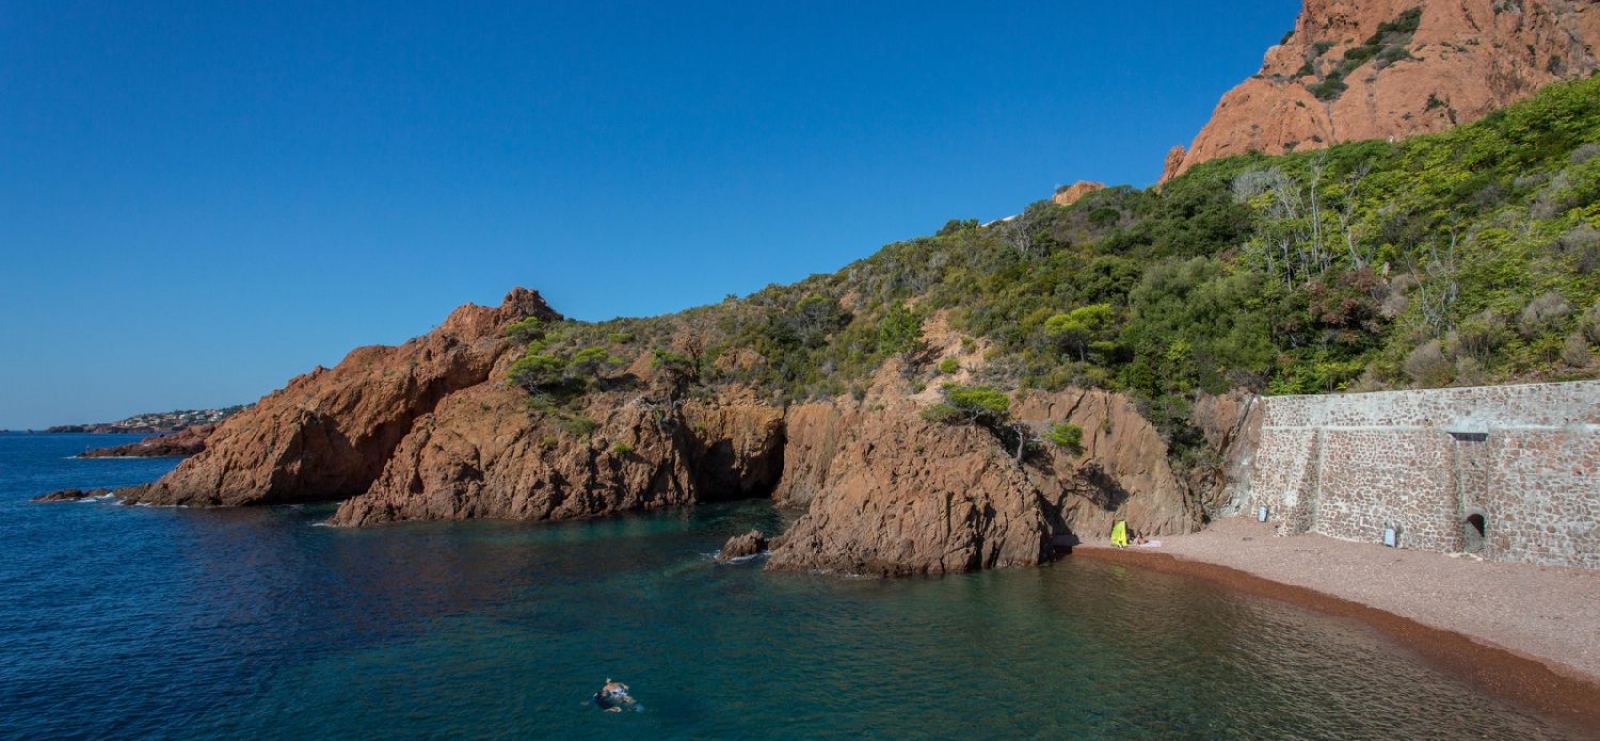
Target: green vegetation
x=1066, y=435
x=1385, y=47
x=1467, y=257
x=971, y=405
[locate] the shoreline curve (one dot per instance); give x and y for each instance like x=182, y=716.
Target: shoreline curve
x=1542, y=686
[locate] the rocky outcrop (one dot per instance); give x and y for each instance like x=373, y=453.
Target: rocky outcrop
x=481, y=454
x=71, y=495
x=1365, y=69
x=1231, y=424
x=1124, y=471
x=185, y=442
x=892, y=493
x=433, y=430
x=902, y=495
x=328, y=434
x=753, y=543
x=1071, y=194
x=1173, y=164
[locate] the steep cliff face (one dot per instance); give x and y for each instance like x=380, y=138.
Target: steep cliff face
x=891, y=493
x=481, y=454
x=1374, y=69
x=904, y=496
x=433, y=429
x=328, y=434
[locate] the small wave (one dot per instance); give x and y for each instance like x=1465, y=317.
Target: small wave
x=712, y=557
x=749, y=558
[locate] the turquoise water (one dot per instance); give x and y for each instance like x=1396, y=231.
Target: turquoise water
x=134, y=622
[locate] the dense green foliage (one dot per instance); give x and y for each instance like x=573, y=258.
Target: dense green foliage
x=1467, y=257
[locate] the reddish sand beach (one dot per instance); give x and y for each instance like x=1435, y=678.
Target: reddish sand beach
x=1528, y=633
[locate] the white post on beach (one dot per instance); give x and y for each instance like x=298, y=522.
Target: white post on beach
x=1261, y=513
x=1391, y=537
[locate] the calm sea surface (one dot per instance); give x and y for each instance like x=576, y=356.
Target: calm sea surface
x=150, y=623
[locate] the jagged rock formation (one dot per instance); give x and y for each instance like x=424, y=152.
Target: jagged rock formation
x=481, y=454
x=892, y=493
x=1368, y=69
x=432, y=430
x=328, y=434
x=184, y=442
x=1068, y=195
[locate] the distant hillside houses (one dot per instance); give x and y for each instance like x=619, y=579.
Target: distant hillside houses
x=157, y=421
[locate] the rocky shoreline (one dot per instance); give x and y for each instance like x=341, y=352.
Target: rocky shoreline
x=432, y=429
x=185, y=442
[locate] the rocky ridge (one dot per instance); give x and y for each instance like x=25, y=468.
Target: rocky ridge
x=432, y=429
x=185, y=442
x=328, y=433
x=1373, y=69
x=1070, y=194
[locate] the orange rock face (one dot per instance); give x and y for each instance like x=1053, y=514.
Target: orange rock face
x=432, y=430
x=482, y=455
x=328, y=434
x=891, y=493
x=1464, y=59
x=1076, y=191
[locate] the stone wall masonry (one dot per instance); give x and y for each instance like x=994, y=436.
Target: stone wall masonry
x=1283, y=474
x=1548, y=506
x=1525, y=458
x=1373, y=479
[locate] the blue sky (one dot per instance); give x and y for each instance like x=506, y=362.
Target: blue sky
x=200, y=200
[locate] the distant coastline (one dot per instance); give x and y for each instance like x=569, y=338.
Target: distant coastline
x=155, y=423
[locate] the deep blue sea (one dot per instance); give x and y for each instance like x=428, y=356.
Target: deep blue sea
x=156, y=623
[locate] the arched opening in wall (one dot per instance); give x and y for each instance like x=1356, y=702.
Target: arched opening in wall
x=1474, y=532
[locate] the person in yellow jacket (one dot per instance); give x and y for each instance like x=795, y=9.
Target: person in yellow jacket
x=1119, y=534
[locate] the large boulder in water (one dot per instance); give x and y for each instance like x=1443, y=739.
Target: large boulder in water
x=742, y=546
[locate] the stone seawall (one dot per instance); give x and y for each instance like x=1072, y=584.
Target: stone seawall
x=1508, y=472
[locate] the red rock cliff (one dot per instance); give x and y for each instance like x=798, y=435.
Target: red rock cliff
x=889, y=492
x=328, y=434
x=1365, y=69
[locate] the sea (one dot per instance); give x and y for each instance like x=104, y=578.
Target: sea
x=126, y=622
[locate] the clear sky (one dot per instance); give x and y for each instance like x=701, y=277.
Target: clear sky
x=199, y=200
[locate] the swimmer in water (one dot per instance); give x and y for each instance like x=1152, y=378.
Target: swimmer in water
x=612, y=696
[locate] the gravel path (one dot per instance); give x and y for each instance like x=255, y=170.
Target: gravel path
x=1528, y=632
